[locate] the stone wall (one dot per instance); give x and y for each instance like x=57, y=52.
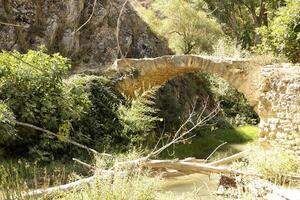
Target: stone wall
x=279, y=107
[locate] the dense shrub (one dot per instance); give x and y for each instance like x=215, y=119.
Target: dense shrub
x=283, y=34
x=99, y=126
x=32, y=90
x=31, y=86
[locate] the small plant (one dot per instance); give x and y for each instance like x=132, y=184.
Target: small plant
x=124, y=184
x=275, y=165
x=139, y=118
x=18, y=177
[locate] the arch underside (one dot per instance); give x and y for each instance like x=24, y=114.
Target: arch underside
x=142, y=74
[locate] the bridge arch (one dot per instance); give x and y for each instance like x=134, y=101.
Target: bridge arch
x=148, y=72
x=273, y=91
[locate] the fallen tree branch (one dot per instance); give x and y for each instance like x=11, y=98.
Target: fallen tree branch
x=55, y=135
x=70, y=186
x=201, y=168
x=76, y=185
x=190, y=167
x=230, y=158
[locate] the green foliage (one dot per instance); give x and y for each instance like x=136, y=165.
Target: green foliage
x=139, y=118
x=32, y=90
x=31, y=83
x=283, y=34
x=240, y=18
x=187, y=30
x=274, y=165
x=99, y=126
x=124, y=184
x=234, y=107
x=6, y=124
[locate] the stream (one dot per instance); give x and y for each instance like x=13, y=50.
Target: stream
x=200, y=185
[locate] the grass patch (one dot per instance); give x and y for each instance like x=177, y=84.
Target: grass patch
x=17, y=176
x=206, y=141
x=274, y=165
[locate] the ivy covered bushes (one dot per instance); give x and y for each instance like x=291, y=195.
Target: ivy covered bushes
x=32, y=90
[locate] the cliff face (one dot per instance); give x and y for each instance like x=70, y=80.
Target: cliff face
x=53, y=23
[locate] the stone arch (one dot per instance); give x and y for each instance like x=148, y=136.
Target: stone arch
x=273, y=91
x=148, y=72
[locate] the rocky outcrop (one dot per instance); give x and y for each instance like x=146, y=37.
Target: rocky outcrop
x=279, y=107
x=53, y=23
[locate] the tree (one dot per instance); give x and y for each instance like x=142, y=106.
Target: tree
x=240, y=18
x=283, y=34
x=187, y=29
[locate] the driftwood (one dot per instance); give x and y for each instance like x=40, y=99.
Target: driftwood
x=76, y=185
x=230, y=158
x=202, y=168
x=70, y=186
x=191, y=167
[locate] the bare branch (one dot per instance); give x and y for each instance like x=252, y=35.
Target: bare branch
x=215, y=151
x=55, y=135
x=118, y=27
x=182, y=135
x=15, y=25
x=90, y=17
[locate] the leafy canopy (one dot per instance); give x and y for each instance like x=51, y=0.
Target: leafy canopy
x=187, y=29
x=283, y=34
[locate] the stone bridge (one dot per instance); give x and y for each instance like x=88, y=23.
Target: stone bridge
x=273, y=91
x=149, y=72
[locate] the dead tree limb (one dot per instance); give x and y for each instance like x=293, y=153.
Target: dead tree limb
x=202, y=168
x=55, y=135
x=67, y=187
x=230, y=158
x=90, y=17
x=15, y=25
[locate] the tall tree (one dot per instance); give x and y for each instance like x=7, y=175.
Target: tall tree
x=240, y=18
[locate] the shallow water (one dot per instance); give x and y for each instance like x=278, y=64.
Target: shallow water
x=200, y=185
x=205, y=186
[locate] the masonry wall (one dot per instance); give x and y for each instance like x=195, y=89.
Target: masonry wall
x=279, y=107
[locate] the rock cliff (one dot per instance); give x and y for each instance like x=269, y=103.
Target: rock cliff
x=53, y=23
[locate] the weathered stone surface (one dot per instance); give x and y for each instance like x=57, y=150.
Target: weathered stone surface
x=53, y=23
x=149, y=72
x=279, y=107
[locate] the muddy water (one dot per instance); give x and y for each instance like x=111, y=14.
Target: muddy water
x=202, y=187
x=189, y=186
